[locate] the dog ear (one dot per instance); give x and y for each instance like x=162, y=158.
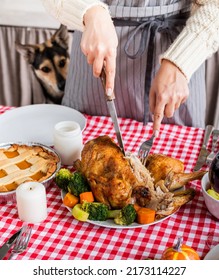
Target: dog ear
x=61, y=36
x=28, y=51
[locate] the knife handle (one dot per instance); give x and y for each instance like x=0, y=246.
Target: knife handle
x=103, y=80
x=208, y=131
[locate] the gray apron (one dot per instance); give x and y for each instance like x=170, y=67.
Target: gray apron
x=145, y=30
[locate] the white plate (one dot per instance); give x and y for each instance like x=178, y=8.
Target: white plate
x=35, y=123
x=213, y=254
x=110, y=223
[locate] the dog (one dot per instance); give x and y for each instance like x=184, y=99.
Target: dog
x=49, y=62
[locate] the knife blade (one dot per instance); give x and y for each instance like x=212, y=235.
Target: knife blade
x=8, y=244
x=112, y=111
x=203, y=154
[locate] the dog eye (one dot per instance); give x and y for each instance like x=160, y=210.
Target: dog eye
x=62, y=63
x=45, y=69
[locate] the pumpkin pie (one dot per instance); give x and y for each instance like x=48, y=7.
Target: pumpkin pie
x=22, y=163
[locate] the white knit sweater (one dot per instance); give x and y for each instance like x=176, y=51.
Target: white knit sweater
x=197, y=41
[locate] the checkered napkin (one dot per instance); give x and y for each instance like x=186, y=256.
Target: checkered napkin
x=60, y=236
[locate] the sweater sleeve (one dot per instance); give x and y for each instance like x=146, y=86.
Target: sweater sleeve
x=198, y=40
x=71, y=12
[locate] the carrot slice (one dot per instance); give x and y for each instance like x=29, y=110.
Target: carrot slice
x=70, y=200
x=145, y=215
x=137, y=207
x=86, y=196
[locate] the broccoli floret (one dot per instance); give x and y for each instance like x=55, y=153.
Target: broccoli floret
x=78, y=184
x=62, y=178
x=97, y=211
x=100, y=212
x=126, y=216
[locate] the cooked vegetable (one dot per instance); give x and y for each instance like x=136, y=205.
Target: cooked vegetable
x=62, y=178
x=78, y=184
x=137, y=207
x=126, y=216
x=79, y=214
x=145, y=215
x=97, y=211
x=86, y=196
x=70, y=200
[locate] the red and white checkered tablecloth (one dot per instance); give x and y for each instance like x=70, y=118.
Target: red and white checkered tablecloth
x=60, y=236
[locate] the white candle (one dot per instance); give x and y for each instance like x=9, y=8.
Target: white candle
x=31, y=202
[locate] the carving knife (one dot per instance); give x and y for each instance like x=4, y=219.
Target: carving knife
x=204, y=152
x=8, y=244
x=112, y=111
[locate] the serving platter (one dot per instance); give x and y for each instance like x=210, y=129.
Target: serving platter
x=110, y=223
x=35, y=123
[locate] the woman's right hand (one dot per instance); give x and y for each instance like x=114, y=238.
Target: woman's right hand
x=99, y=43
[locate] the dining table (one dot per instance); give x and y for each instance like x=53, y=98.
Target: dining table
x=61, y=237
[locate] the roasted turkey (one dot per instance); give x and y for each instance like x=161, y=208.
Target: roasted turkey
x=160, y=165
x=117, y=180
x=170, y=171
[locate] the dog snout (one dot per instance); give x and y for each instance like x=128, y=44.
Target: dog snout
x=61, y=85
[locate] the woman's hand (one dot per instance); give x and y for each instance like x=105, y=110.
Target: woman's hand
x=99, y=43
x=168, y=91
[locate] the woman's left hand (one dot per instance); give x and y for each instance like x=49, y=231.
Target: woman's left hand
x=168, y=91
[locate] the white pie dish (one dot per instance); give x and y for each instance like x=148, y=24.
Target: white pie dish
x=10, y=197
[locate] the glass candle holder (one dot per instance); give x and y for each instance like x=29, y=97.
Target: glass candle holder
x=68, y=141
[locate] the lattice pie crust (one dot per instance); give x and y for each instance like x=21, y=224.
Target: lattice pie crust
x=22, y=163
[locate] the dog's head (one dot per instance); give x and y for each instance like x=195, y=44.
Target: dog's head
x=49, y=62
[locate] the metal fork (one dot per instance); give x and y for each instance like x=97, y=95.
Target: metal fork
x=21, y=242
x=145, y=149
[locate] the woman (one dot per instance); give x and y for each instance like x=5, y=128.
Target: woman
x=161, y=50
